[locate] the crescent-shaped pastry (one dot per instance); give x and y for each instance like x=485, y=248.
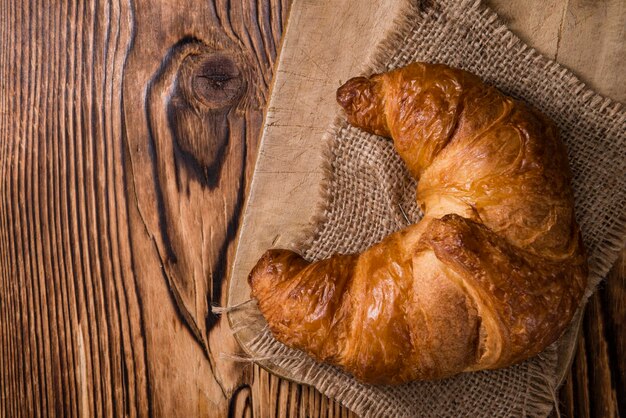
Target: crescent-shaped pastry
x=490, y=276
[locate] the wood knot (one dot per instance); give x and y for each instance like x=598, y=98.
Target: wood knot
x=213, y=80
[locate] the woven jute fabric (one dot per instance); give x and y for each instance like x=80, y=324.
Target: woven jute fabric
x=369, y=194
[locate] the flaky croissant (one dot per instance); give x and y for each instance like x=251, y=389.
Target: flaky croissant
x=490, y=276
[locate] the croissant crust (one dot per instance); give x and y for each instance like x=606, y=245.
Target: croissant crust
x=490, y=276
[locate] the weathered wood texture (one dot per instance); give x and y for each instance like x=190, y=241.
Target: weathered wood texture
x=128, y=133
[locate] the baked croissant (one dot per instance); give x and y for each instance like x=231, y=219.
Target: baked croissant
x=490, y=276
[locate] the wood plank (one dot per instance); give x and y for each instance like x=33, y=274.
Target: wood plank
x=90, y=325
x=538, y=23
x=613, y=303
x=592, y=43
x=275, y=397
x=596, y=382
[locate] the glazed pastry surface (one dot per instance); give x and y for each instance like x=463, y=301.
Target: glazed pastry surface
x=490, y=276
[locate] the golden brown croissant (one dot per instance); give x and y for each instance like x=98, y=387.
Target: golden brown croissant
x=490, y=276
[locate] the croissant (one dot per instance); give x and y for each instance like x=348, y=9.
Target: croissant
x=490, y=276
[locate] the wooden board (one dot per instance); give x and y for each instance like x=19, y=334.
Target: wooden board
x=283, y=198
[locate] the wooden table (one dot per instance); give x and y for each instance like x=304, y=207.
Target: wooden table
x=129, y=134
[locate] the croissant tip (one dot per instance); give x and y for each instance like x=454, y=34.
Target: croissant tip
x=260, y=267
x=350, y=90
x=269, y=264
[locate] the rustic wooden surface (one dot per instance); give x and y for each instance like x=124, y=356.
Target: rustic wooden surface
x=129, y=131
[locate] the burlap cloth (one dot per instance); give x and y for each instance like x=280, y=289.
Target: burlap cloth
x=369, y=194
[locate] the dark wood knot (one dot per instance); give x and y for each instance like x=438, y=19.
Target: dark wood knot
x=214, y=80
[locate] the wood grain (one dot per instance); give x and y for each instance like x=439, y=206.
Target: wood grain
x=129, y=131
x=128, y=134
x=585, y=36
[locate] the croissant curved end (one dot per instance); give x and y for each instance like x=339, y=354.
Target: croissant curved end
x=350, y=91
x=270, y=269
x=362, y=102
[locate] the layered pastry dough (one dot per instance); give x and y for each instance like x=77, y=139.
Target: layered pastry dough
x=490, y=276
